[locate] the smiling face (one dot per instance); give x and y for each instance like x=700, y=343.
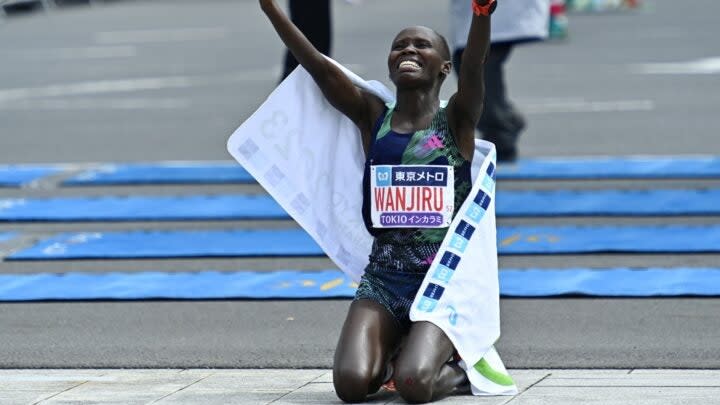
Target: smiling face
x=418, y=56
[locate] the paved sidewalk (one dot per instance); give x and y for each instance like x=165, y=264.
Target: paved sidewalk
x=211, y=387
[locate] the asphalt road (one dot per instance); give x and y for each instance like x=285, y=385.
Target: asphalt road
x=162, y=80
x=546, y=333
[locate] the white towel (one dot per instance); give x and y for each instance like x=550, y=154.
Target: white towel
x=309, y=157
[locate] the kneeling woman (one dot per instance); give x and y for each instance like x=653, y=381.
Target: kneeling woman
x=427, y=149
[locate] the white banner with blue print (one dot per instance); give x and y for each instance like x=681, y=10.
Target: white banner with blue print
x=461, y=293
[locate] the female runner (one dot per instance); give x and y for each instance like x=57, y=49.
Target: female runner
x=420, y=131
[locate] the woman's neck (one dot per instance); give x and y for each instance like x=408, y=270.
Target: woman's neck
x=417, y=102
x=415, y=109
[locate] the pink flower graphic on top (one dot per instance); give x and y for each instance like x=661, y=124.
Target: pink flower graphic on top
x=429, y=260
x=434, y=142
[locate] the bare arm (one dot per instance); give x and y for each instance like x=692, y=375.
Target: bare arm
x=337, y=88
x=466, y=105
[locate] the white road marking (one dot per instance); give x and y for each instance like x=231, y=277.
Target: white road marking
x=96, y=87
x=91, y=52
x=551, y=106
x=161, y=35
x=705, y=66
x=131, y=85
x=147, y=103
x=89, y=88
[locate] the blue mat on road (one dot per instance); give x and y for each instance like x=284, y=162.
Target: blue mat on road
x=16, y=176
x=219, y=207
x=242, y=243
x=167, y=244
x=163, y=173
x=608, y=239
x=608, y=203
x=334, y=284
x=660, y=167
x=631, y=167
x=201, y=207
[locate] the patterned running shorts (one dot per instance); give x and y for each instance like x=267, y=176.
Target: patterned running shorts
x=394, y=275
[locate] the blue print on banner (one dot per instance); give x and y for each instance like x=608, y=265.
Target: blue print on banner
x=482, y=199
x=463, y=233
x=475, y=213
x=248, y=149
x=465, y=230
x=489, y=184
x=459, y=243
x=383, y=176
x=274, y=175
x=427, y=305
x=491, y=170
x=434, y=291
x=443, y=273
x=451, y=260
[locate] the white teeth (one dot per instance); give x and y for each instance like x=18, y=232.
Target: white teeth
x=409, y=63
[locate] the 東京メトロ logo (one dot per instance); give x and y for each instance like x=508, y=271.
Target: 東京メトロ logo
x=383, y=176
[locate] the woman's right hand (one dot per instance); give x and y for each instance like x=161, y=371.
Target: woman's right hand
x=337, y=88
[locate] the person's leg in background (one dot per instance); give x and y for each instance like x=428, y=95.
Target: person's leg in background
x=313, y=18
x=500, y=123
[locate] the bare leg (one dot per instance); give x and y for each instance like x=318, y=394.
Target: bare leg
x=422, y=372
x=368, y=339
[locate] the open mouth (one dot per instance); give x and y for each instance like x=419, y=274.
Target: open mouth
x=409, y=66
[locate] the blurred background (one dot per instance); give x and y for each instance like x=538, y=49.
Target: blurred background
x=151, y=80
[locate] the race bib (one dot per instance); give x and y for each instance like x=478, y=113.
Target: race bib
x=412, y=196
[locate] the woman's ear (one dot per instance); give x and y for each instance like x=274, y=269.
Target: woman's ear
x=447, y=68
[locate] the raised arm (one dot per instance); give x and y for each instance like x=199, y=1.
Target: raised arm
x=336, y=87
x=466, y=105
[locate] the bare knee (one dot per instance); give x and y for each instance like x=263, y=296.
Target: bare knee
x=352, y=384
x=368, y=336
x=414, y=382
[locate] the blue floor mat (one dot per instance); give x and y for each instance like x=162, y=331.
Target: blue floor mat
x=241, y=243
x=163, y=173
x=159, y=208
x=334, y=284
x=608, y=239
x=660, y=167
x=167, y=244
x=6, y=236
x=17, y=176
x=220, y=207
x=631, y=167
x=608, y=203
